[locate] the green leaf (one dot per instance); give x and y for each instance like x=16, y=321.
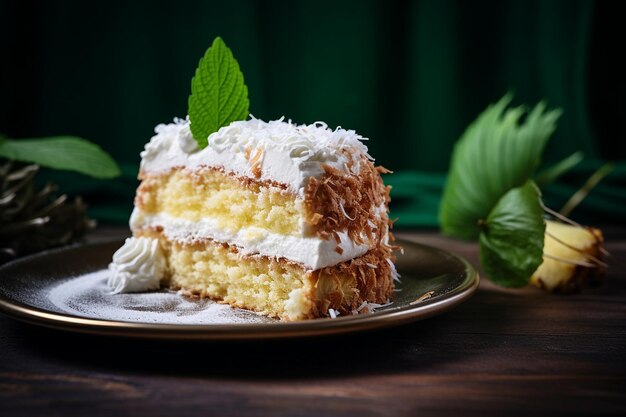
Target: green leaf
x=511, y=240
x=496, y=153
x=219, y=95
x=62, y=152
x=553, y=172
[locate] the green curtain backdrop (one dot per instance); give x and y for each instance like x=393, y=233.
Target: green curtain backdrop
x=408, y=75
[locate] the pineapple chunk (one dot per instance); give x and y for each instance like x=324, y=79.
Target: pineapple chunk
x=572, y=258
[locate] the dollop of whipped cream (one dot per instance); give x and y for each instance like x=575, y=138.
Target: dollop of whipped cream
x=277, y=150
x=186, y=141
x=139, y=265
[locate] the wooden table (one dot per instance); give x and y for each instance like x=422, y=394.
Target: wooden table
x=501, y=353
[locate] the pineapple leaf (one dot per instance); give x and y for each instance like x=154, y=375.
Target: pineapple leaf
x=512, y=237
x=589, y=185
x=497, y=152
x=552, y=173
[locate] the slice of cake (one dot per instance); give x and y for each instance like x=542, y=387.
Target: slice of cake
x=289, y=221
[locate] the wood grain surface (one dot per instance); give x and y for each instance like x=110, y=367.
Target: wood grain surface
x=503, y=352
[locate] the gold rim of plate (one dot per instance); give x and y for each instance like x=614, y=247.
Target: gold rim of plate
x=463, y=280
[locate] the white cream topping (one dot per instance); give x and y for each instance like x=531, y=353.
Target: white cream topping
x=288, y=153
x=312, y=252
x=186, y=141
x=139, y=265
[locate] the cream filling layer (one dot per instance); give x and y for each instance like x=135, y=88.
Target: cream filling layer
x=312, y=252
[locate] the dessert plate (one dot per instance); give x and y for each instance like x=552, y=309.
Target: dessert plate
x=66, y=289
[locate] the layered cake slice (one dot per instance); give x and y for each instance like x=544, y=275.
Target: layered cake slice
x=289, y=221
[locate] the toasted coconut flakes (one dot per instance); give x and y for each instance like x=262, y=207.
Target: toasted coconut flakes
x=257, y=156
x=371, y=284
x=315, y=218
x=254, y=161
x=422, y=297
x=333, y=314
x=371, y=265
x=330, y=194
x=343, y=211
x=339, y=250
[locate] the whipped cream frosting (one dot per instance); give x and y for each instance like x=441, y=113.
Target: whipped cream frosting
x=310, y=251
x=286, y=153
x=139, y=265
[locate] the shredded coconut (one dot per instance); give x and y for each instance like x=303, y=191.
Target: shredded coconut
x=394, y=272
x=367, y=307
x=302, y=140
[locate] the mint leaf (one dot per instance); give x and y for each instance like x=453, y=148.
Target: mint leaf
x=62, y=152
x=511, y=240
x=219, y=95
x=496, y=153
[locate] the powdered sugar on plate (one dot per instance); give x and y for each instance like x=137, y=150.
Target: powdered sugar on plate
x=89, y=296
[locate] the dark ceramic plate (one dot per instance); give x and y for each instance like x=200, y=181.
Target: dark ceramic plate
x=66, y=289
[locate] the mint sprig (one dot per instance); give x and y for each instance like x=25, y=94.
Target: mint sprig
x=219, y=95
x=489, y=195
x=61, y=152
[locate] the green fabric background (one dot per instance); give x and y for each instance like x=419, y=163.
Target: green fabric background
x=408, y=75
